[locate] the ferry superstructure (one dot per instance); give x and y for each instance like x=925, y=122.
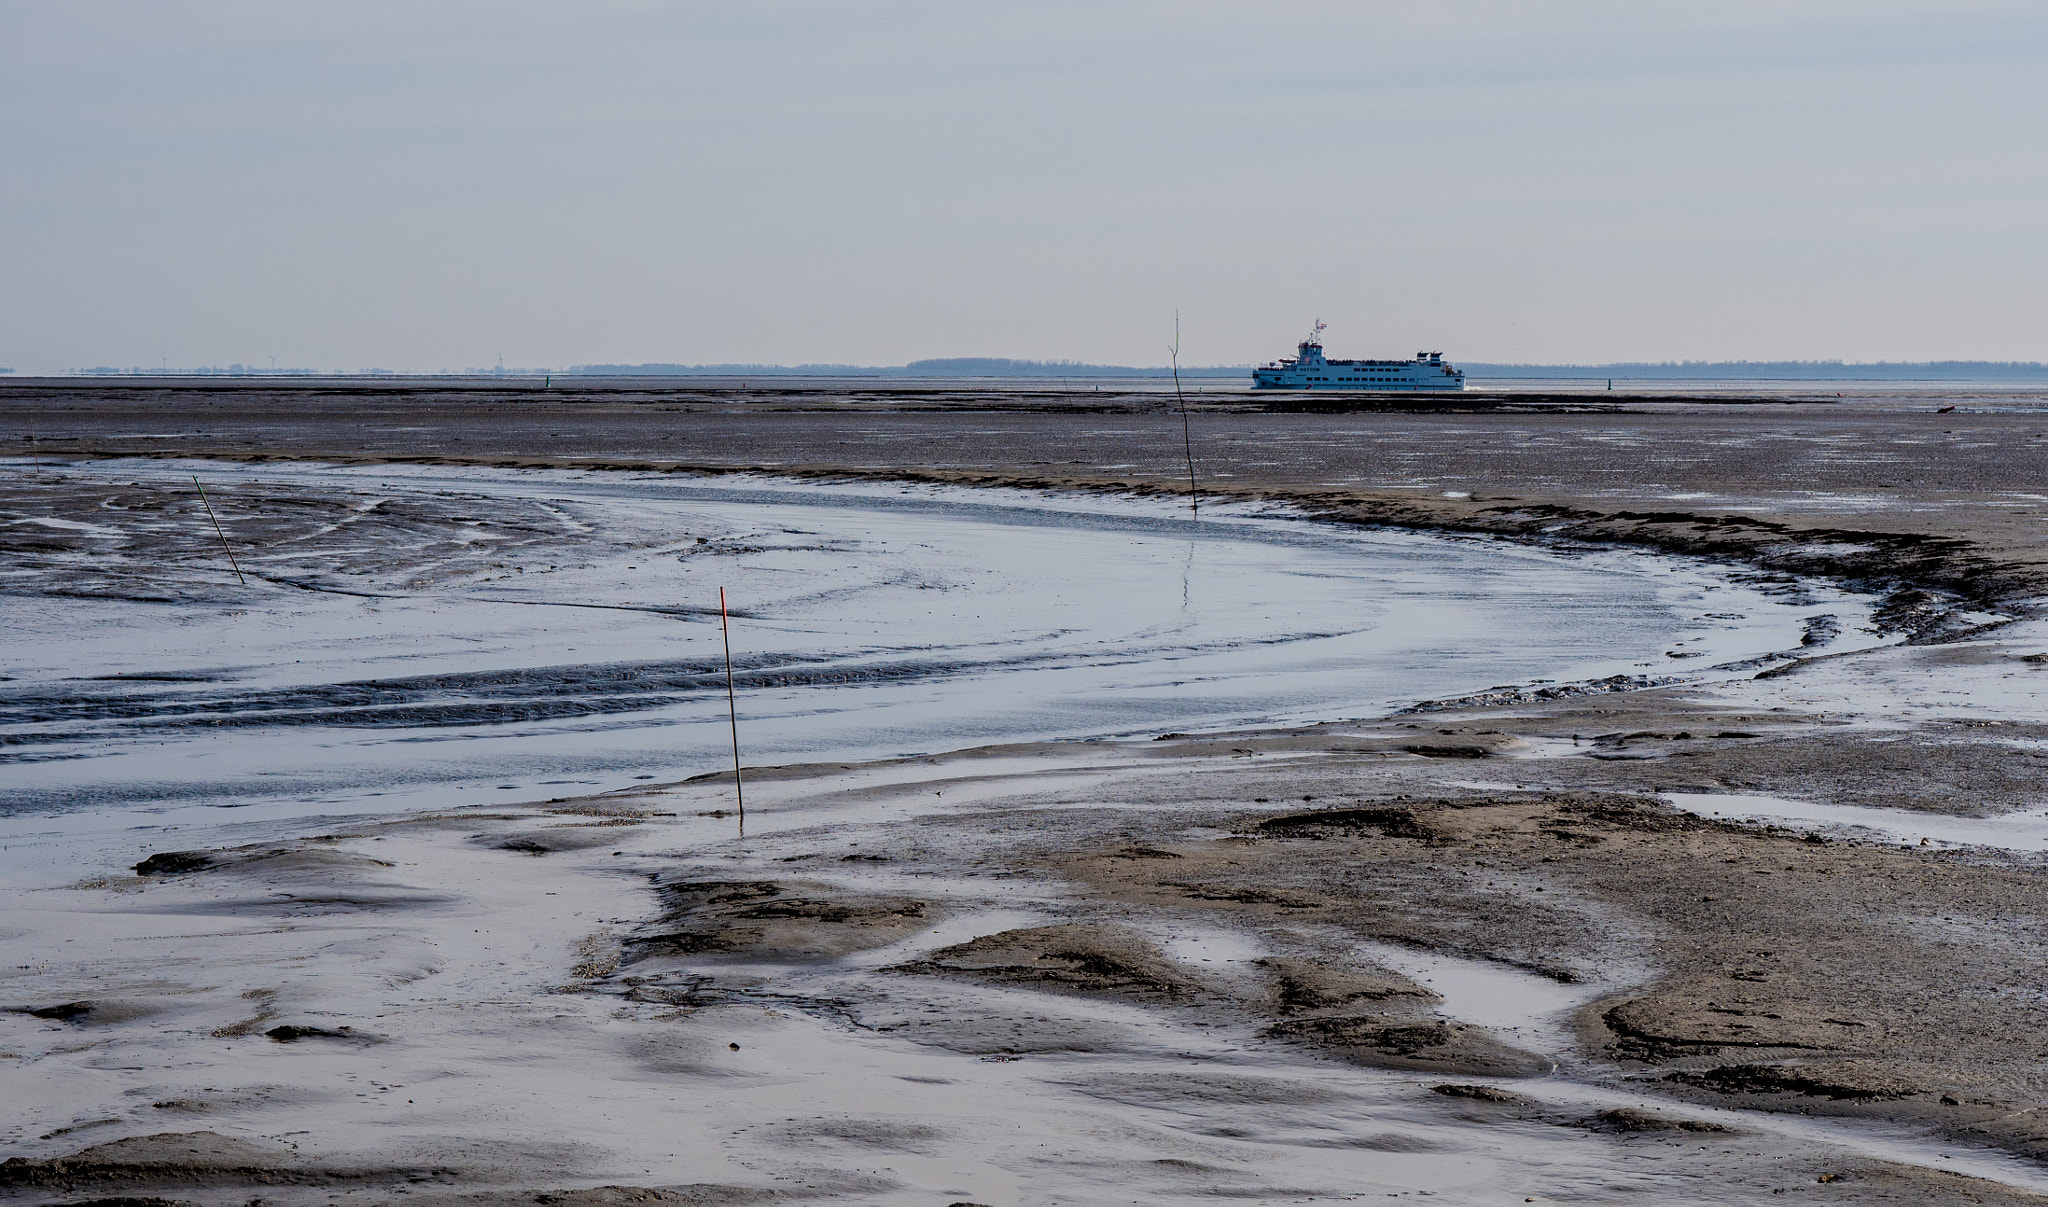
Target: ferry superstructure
x=1309, y=369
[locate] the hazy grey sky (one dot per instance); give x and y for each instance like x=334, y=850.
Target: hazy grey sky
x=424, y=185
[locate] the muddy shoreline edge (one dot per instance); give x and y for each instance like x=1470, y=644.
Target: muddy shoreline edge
x=1928, y=583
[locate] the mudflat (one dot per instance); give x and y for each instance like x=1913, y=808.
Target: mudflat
x=1952, y=499
x=1769, y=934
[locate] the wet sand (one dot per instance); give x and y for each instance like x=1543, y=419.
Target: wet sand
x=1474, y=949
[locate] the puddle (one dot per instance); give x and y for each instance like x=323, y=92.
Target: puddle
x=1212, y=948
x=1522, y=1008
x=2024, y=832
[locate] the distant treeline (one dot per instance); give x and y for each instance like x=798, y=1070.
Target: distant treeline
x=222, y=371
x=1778, y=370
x=1002, y=367
x=1695, y=370
x=957, y=366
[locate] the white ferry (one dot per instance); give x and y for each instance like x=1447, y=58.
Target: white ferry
x=1310, y=370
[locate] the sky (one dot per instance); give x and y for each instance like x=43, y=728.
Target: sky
x=420, y=185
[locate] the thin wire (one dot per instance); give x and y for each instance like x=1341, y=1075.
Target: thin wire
x=217, y=531
x=1187, y=440
x=732, y=711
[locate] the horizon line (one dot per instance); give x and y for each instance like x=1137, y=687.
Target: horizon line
x=1020, y=367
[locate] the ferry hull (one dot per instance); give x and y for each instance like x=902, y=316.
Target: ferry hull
x=1283, y=380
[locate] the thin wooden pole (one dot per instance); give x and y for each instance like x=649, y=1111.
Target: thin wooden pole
x=1186, y=439
x=732, y=711
x=217, y=531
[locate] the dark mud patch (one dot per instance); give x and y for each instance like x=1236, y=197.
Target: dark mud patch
x=695, y=1195
x=308, y=878
x=1071, y=957
x=1447, y=750
x=1001, y=1031
x=1449, y=820
x=63, y=1012
x=1931, y=581
x=292, y=1033
x=873, y=1135
x=174, y=863
x=268, y=859
x=96, y=1013
x=1381, y=1042
x=193, y=1159
x=1393, y=821
x=553, y=839
x=1838, y=1083
x=1658, y=1029
x=774, y=918
x=1301, y=986
x=1516, y=694
x=1483, y=1093
x=1631, y=1121
x=1247, y=895
x=698, y=1194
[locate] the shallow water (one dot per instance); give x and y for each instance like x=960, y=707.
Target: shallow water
x=2025, y=831
x=571, y=641
x=1522, y=1007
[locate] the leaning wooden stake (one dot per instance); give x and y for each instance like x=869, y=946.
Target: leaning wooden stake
x=217, y=531
x=733, y=712
x=1187, y=441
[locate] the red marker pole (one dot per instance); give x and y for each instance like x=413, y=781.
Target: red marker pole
x=732, y=711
